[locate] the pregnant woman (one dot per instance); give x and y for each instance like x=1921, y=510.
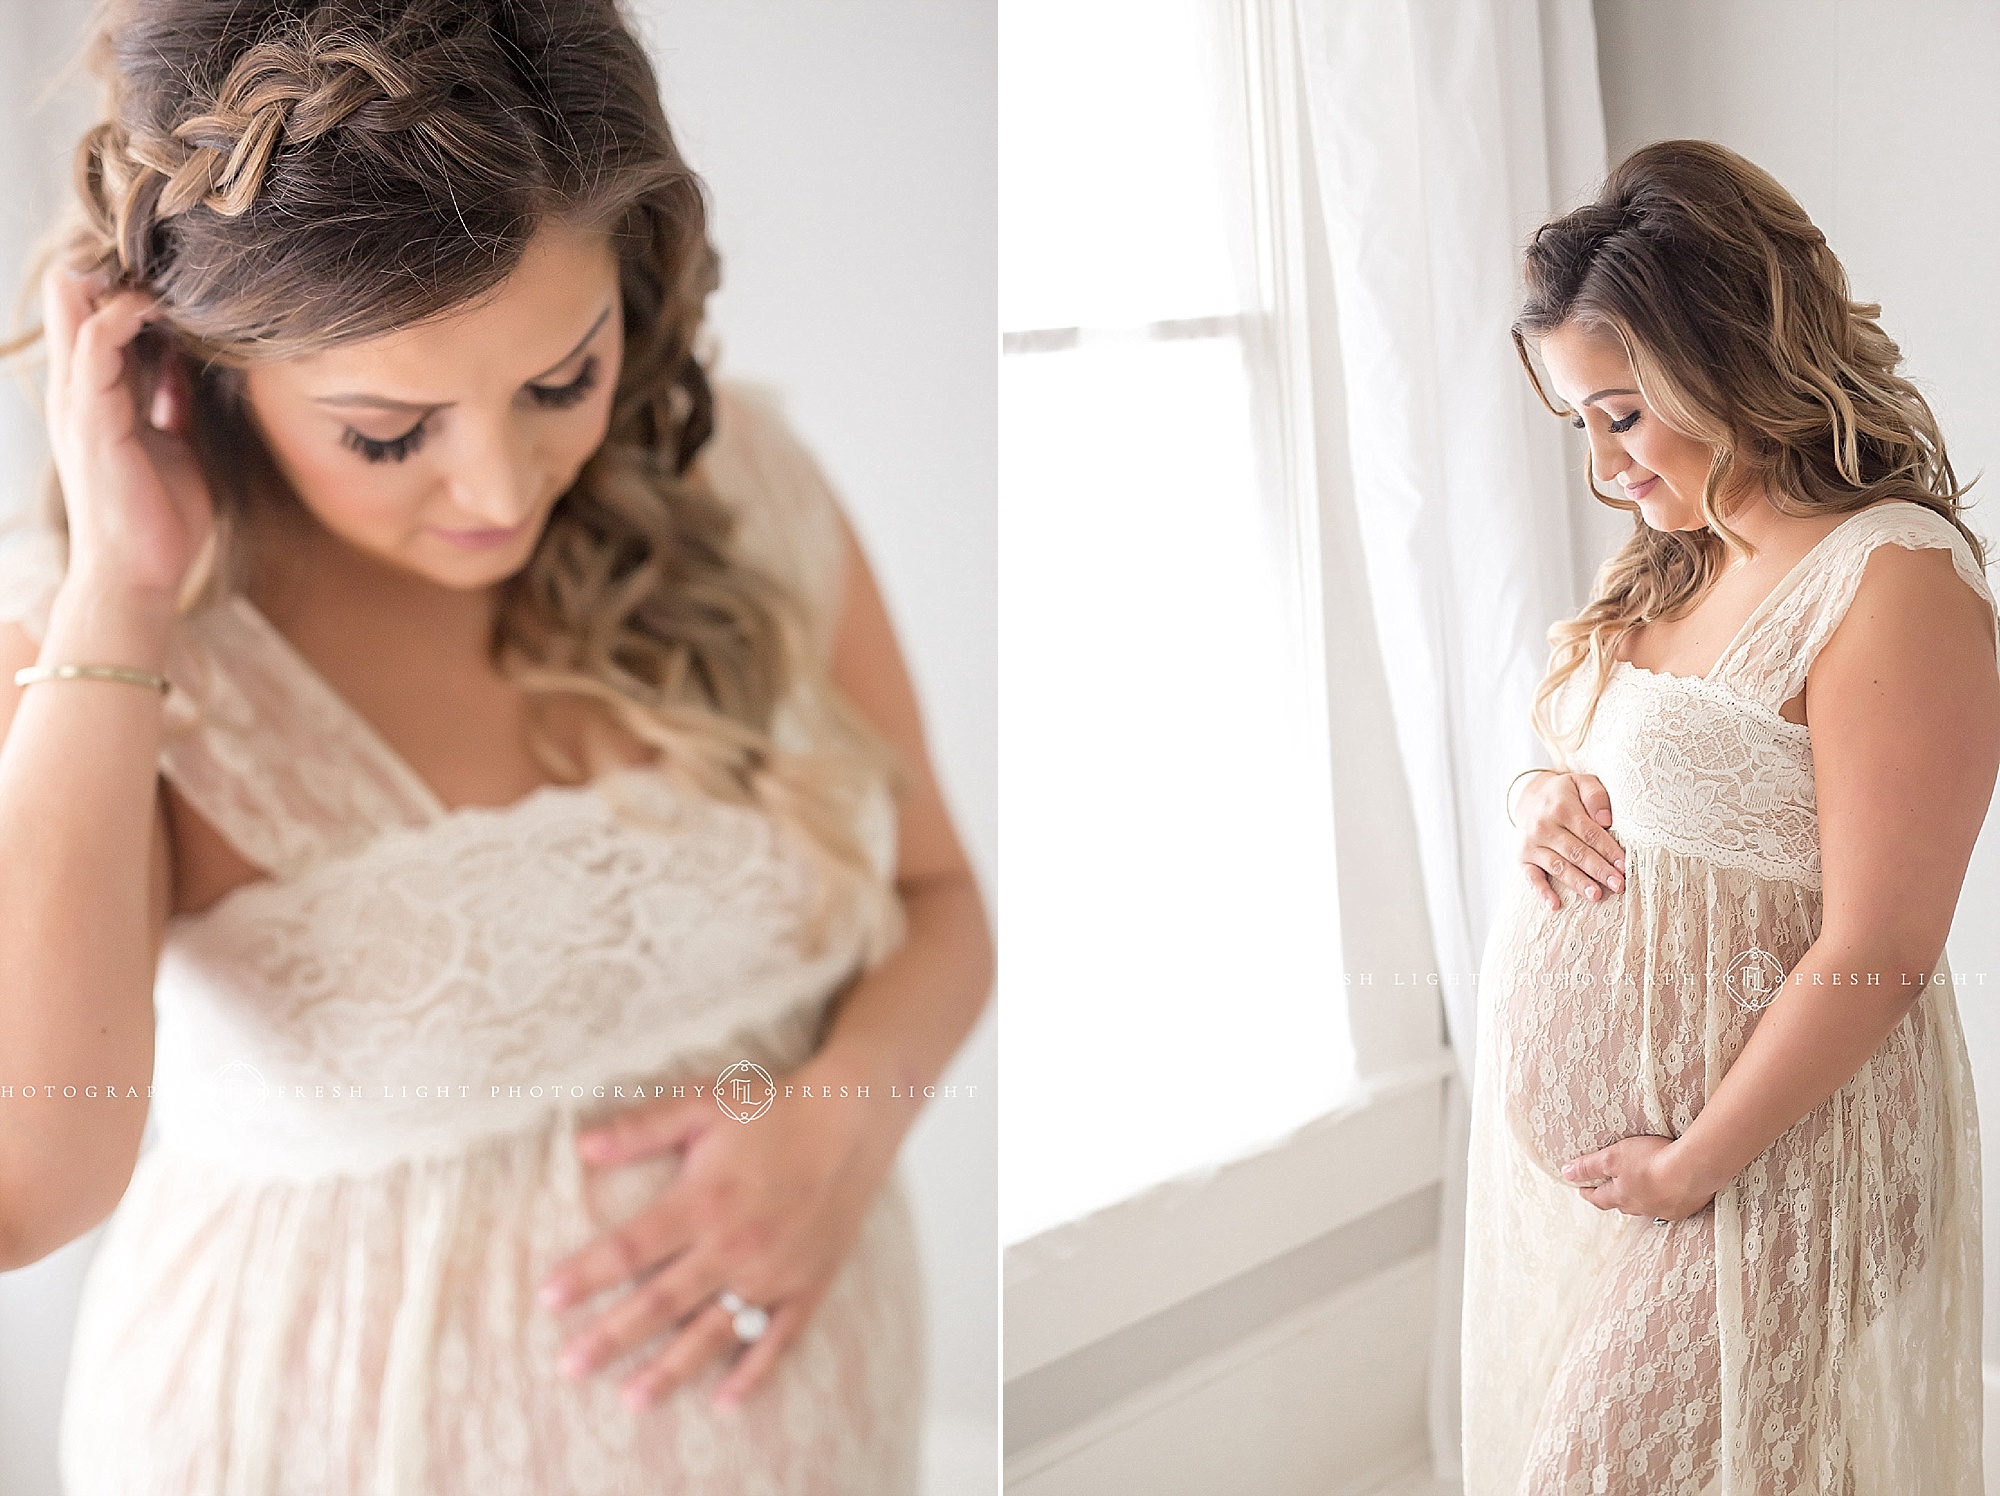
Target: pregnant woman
x=461, y=795
x=1723, y=1210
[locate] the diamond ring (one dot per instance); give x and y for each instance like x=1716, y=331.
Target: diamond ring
x=748, y=1320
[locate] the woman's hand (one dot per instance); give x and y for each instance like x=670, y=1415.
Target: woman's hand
x=120, y=405
x=770, y=1208
x=1642, y=1176
x=1565, y=835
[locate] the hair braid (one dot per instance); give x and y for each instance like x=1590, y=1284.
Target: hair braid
x=290, y=175
x=290, y=90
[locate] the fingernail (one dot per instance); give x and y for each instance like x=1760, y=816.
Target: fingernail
x=593, y=1144
x=1569, y=1171
x=1590, y=892
x=1617, y=883
x=572, y=1364
x=637, y=1397
x=553, y=1295
x=728, y=1402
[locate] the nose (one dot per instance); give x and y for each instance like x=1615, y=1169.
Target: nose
x=1607, y=455
x=493, y=481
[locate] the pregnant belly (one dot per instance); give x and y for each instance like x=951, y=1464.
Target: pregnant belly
x=1617, y=1016
x=225, y=1327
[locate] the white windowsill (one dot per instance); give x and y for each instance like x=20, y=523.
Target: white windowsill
x=1086, y=1279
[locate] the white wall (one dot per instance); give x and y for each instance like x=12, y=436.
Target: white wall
x=849, y=146
x=1878, y=116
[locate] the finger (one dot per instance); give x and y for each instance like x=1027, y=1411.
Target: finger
x=659, y=1302
x=644, y=1131
x=66, y=301
x=710, y=1334
x=1588, y=1166
x=1585, y=858
x=1556, y=869
x=1595, y=797
x=660, y=1231
x=1596, y=802
x=1540, y=880
x=97, y=357
x=754, y=1365
x=1560, y=868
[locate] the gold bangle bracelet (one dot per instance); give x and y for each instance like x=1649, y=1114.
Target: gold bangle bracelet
x=27, y=675
x=1516, y=780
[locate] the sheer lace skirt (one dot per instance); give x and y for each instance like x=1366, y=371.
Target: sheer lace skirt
x=380, y=1334
x=1817, y=1328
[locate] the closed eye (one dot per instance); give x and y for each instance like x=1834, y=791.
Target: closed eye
x=1623, y=424
x=561, y=397
x=394, y=449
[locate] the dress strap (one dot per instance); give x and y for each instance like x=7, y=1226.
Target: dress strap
x=270, y=755
x=1771, y=659
x=280, y=766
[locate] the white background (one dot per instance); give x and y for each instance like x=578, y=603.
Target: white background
x=849, y=146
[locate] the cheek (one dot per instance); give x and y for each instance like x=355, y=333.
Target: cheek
x=1681, y=460
x=351, y=497
x=571, y=440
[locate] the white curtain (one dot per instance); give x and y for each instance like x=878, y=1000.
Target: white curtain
x=1443, y=132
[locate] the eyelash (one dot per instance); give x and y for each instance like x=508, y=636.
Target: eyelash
x=396, y=448
x=1616, y=426
x=564, y=396
x=393, y=450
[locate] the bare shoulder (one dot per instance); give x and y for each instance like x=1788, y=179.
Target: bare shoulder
x=1912, y=602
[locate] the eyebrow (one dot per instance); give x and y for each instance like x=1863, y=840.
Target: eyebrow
x=353, y=399
x=1593, y=399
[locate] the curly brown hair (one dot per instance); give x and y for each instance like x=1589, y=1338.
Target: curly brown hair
x=1742, y=334
x=288, y=176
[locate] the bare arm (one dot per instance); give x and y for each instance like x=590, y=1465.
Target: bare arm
x=901, y=1023
x=1904, y=702
x=85, y=865
x=85, y=888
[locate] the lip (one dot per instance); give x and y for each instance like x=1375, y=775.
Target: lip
x=481, y=540
x=1640, y=490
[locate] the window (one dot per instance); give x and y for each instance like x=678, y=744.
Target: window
x=1171, y=951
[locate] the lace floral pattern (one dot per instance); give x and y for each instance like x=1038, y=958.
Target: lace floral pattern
x=1818, y=1329
x=370, y=1068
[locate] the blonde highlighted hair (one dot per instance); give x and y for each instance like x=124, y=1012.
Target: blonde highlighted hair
x=1741, y=332
x=290, y=176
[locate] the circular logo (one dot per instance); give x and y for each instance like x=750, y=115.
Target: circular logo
x=1754, y=979
x=239, y=1089
x=745, y=1091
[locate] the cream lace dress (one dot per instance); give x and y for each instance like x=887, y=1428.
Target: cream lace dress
x=1818, y=1329
x=370, y=1069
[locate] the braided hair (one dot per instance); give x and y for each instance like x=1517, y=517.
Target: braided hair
x=1738, y=322
x=286, y=176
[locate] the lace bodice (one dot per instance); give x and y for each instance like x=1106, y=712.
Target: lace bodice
x=371, y=1064
x=1816, y=1328
x=1706, y=764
